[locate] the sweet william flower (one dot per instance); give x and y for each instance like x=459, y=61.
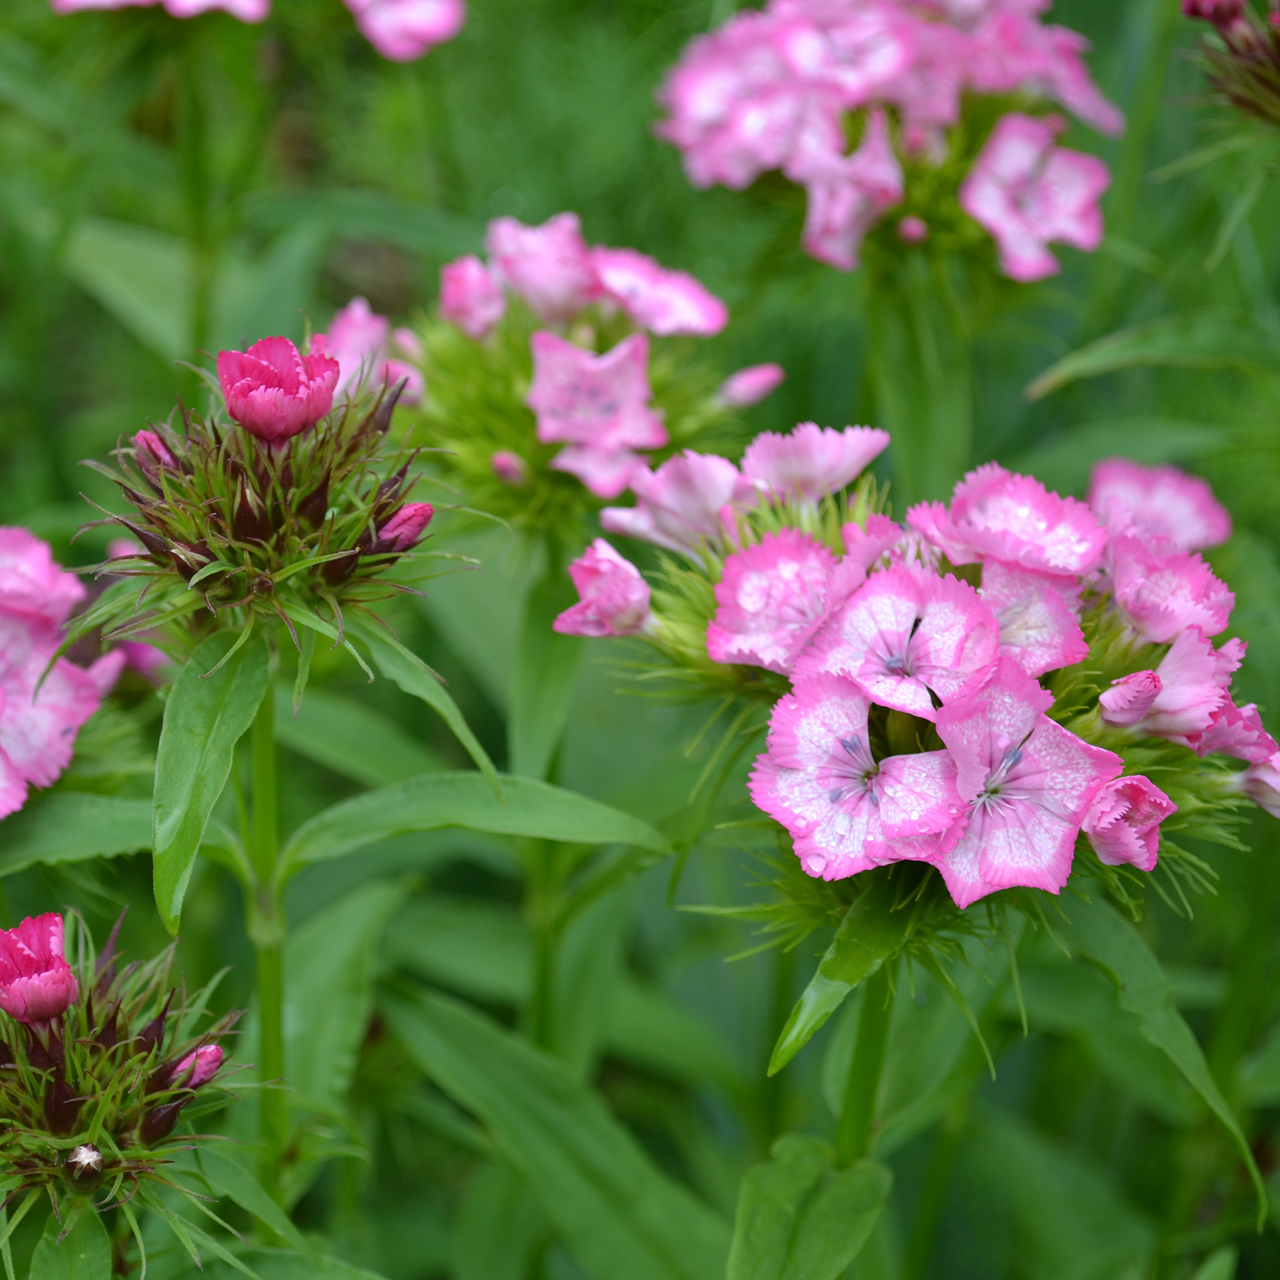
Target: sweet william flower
x=657, y=299
x=1123, y=823
x=1261, y=783
x=1158, y=502
x=358, y=339
x=1194, y=680
x=275, y=393
x=1234, y=731
x=245, y=10
x=403, y=30
x=1038, y=626
x=32, y=584
x=614, y=597
x=811, y=461
x=750, y=385
x=1130, y=698
x=470, y=297
x=548, y=266
x=36, y=983
x=1160, y=595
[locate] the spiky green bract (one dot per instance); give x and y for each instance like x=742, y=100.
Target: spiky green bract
x=235, y=530
x=1242, y=62
x=475, y=407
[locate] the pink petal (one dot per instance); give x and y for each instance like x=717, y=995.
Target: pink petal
x=1038, y=629
x=1159, y=501
x=811, y=461
x=662, y=301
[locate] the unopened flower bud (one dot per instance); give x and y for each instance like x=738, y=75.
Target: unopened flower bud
x=749, y=385
x=190, y=1072
x=913, y=230
x=314, y=507
x=83, y=1167
x=36, y=983
x=152, y=456
x=1130, y=698
x=249, y=519
x=1219, y=12
x=61, y=1107
x=510, y=468
x=152, y=1035
x=159, y=1122
x=275, y=393
x=404, y=530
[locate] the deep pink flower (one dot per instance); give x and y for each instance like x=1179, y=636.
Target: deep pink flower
x=905, y=635
x=197, y=1068
x=662, y=301
x=750, y=385
x=1130, y=698
x=470, y=297
x=868, y=545
x=681, y=504
x=846, y=811
x=1028, y=192
x=1015, y=519
x=36, y=983
x=273, y=392
x=358, y=339
x=1234, y=731
x=1161, y=594
x=1038, y=627
x=614, y=597
x=811, y=461
x=403, y=30
x=1261, y=783
x=1195, y=680
x=771, y=599
x=1028, y=781
x=548, y=266
x=1159, y=501
x=510, y=468
x=404, y=530
x=1123, y=823
x=32, y=584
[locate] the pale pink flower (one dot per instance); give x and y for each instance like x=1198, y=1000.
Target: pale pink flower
x=470, y=297
x=1159, y=595
x=404, y=530
x=32, y=584
x=1195, y=680
x=1027, y=192
x=36, y=982
x=1038, y=627
x=613, y=595
x=811, y=461
x=1015, y=519
x=245, y=10
x=906, y=636
x=681, y=505
x=1261, y=783
x=846, y=811
x=1028, y=781
x=273, y=392
x=1130, y=698
x=511, y=468
x=1123, y=823
x=548, y=266
x=1158, y=501
x=750, y=385
x=662, y=301
x=605, y=472
x=866, y=546
x=358, y=339
x=403, y=30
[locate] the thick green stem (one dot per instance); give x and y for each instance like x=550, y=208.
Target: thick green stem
x=194, y=154
x=856, y=1129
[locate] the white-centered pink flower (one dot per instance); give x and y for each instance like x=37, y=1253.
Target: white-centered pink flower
x=470, y=296
x=907, y=636
x=1123, y=823
x=1160, y=594
x=359, y=340
x=1028, y=192
x=660, y=300
x=1028, y=783
x=750, y=385
x=1038, y=625
x=548, y=266
x=614, y=597
x=273, y=392
x=846, y=811
x=404, y=30
x=32, y=584
x=811, y=461
x=1158, y=502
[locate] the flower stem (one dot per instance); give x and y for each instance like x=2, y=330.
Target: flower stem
x=854, y=1133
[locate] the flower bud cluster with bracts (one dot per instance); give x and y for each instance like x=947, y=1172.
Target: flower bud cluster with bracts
x=985, y=689
x=553, y=368
x=1243, y=62
x=292, y=505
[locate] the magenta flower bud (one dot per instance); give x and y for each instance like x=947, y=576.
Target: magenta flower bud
x=750, y=385
x=404, y=530
x=913, y=230
x=510, y=468
x=197, y=1068
x=36, y=983
x=1123, y=823
x=614, y=597
x=152, y=455
x=1130, y=698
x=273, y=392
x=470, y=297
x=1220, y=12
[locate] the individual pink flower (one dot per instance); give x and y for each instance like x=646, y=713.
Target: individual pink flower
x=245, y=10
x=771, y=599
x=548, y=266
x=403, y=30
x=36, y=982
x=357, y=338
x=1261, y=783
x=613, y=595
x=275, y=393
x=197, y=1068
x=1123, y=823
x=1038, y=627
x=750, y=385
x=32, y=584
x=1195, y=680
x=404, y=530
x=845, y=810
x=1160, y=501
x=662, y=301
x=811, y=461
x=1028, y=783
x=1027, y=192
x=1234, y=731
x=470, y=297
x=683, y=503
x=1129, y=699
x=906, y=636
x=1015, y=519
x=510, y=468
x=866, y=546
x=1160, y=595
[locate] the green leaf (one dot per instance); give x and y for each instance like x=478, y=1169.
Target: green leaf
x=84, y=1255
x=497, y=1227
x=203, y=720
x=870, y=933
x=72, y=827
x=546, y=665
x=619, y=1215
x=1200, y=338
x=350, y=738
x=1219, y=1265
x=798, y=1219
x=227, y=1176
x=534, y=809
x=1100, y=933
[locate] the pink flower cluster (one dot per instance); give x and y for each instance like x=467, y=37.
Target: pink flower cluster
x=771, y=89
x=40, y=714
x=367, y=350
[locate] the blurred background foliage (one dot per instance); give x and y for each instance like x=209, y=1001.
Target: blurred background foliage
x=171, y=187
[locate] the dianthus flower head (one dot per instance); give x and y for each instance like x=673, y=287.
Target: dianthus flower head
x=275, y=393
x=657, y=299
x=750, y=385
x=36, y=983
x=614, y=597
x=404, y=30
x=1123, y=822
x=811, y=461
x=1159, y=503
x=470, y=297
x=1161, y=594
x=358, y=339
x=548, y=266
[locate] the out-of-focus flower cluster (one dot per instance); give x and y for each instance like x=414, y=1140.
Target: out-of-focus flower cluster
x=554, y=356
x=786, y=88
x=1244, y=61
x=971, y=690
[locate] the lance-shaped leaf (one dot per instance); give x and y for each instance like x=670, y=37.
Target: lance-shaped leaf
x=534, y=809
x=621, y=1217
x=870, y=933
x=73, y=827
x=1142, y=988
x=85, y=1253
x=800, y=1219
x=205, y=717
